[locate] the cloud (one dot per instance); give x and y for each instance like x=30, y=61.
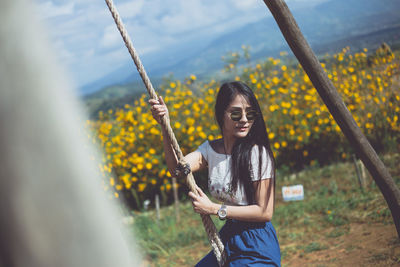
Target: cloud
x=111, y=37
x=87, y=38
x=48, y=9
x=130, y=8
x=246, y=5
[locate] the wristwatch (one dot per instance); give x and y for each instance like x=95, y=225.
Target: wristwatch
x=222, y=212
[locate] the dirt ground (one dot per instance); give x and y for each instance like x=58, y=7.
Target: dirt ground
x=374, y=244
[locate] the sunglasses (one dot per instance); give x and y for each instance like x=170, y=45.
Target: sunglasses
x=251, y=115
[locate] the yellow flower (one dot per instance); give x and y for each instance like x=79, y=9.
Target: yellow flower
x=369, y=125
x=276, y=145
x=141, y=187
x=271, y=135
x=161, y=173
x=190, y=130
x=307, y=97
x=153, y=131
x=117, y=161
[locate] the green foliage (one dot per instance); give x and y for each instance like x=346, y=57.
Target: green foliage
x=165, y=236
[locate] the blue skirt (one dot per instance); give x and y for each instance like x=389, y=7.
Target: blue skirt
x=247, y=244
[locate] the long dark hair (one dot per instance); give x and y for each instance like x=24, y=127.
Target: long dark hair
x=241, y=152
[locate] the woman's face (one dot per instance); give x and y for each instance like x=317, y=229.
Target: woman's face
x=240, y=128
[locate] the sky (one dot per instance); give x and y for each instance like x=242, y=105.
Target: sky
x=88, y=44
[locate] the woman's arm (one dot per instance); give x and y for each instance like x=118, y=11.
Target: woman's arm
x=260, y=212
x=195, y=159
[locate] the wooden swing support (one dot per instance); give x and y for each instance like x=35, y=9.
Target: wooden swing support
x=336, y=106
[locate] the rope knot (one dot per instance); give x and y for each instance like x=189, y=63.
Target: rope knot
x=182, y=169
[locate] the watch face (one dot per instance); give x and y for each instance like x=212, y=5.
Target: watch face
x=222, y=212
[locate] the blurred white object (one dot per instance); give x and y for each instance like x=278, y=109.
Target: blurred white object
x=146, y=204
x=293, y=192
x=53, y=210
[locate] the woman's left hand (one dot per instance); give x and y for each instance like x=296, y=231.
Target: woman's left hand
x=202, y=204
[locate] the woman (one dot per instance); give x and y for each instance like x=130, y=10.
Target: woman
x=241, y=175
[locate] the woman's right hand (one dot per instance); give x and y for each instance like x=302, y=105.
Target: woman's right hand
x=158, y=109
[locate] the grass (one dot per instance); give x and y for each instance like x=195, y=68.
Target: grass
x=314, y=246
x=333, y=199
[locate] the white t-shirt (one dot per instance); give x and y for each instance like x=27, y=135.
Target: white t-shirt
x=219, y=173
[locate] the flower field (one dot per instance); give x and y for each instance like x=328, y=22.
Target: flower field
x=301, y=130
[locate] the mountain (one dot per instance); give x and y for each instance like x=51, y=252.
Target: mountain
x=328, y=27
x=324, y=25
x=157, y=64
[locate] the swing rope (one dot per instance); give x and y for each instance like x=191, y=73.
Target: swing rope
x=209, y=226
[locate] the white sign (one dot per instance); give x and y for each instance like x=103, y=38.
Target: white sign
x=294, y=192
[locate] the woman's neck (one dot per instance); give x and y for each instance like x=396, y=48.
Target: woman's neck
x=228, y=142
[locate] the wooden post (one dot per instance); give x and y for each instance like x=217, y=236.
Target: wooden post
x=363, y=173
x=157, y=201
x=337, y=108
x=176, y=199
x=358, y=172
